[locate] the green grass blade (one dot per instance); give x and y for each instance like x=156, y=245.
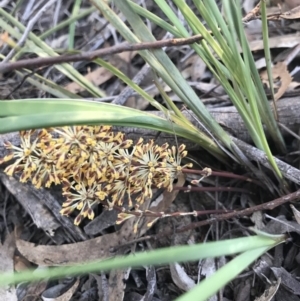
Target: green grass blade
x=32, y=114
x=66, y=22
x=213, y=284
x=233, y=13
x=153, y=18
x=72, y=27
x=265, y=32
x=35, y=44
x=161, y=63
x=161, y=256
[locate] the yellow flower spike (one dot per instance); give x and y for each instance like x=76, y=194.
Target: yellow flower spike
x=95, y=165
x=25, y=176
x=78, y=219
x=77, y=186
x=6, y=158
x=66, y=211
x=37, y=182
x=183, y=154
x=126, y=144
x=9, y=170
x=181, y=148
x=91, y=180
x=102, y=195
x=91, y=214
x=123, y=217
x=80, y=205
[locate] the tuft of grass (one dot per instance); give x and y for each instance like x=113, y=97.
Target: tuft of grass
x=220, y=51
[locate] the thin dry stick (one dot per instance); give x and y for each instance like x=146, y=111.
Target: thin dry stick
x=223, y=174
x=89, y=56
x=226, y=216
x=236, y=214
x=252, y=14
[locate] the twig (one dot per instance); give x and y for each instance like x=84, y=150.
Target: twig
x=252, y=14
x=226, y=216
x=223, y=174
x=149, y=213
x=237, y=214
x=289, y=172
x=214, y=189
x=89, y=56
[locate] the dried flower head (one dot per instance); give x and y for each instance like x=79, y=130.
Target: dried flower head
x=95, y=166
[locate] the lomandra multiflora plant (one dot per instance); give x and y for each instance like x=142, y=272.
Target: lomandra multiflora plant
x=94, y=165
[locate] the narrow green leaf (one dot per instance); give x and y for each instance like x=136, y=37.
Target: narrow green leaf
x=72, y=27
x=41, y=113
x=161, y=256
x=35, y=44
x=214, y=283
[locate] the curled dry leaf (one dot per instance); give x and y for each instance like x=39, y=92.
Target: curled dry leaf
x=152, y=281
x=106, y=219
x=241, y=289
x=270, y=292
x=262, y=267
x=281, y=73
x=281, y=225
x=69, y=254
x=287, y=41
x=296, y=213
x=181, y=278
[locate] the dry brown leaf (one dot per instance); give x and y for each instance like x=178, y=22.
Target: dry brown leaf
x=288, y=280
x=117, y=284
x=100, y=75
x=69, y=254
x=270, y=292
x=34, y=291
x=180, y=277
x=284, y=41
x=292, y=3
x=7, y=265
x=21, y=264
x=194, y=68
x=296, y=213
x=291, y=14
x=279, y=71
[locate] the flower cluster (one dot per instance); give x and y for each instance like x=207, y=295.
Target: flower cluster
x=94, y=165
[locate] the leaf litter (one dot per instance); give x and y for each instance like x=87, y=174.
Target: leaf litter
x=48, y=241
